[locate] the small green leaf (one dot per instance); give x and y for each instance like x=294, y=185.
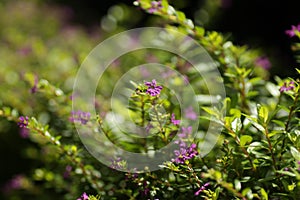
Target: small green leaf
x=199, y=31
x=263, y=113
x=237, y=185
x=235, y=112
x=295, y=153
x=211, y=111
x=181, y=16
x=286, y=173
x=245, y=139
x=264, y=194
x=278, y=122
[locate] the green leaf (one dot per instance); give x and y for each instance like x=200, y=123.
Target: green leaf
x=211, y=111
x=273, y=89
x=247, y=192
x=235, y=112
x=295, y=153
x=286, y=173
x=199, y=31
x=278, y=122
x=245, y=139
x=263, y=113
x=236, y=125
x=237, y=185
x=181, y=16
x=264, y=194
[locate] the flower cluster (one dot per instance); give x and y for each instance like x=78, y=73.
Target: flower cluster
x=80, y=117
x=155, y=6
x=173, y=120
x=190, y=113
x=118, y=163
x=67, y=172
x=23, y=122
x=294, y=29
x=14, y=184
x=287, y=86
x=203, y=187
x=24, y=132
x=153, y=89
x=263, y=62
x=184, y=154
x=84, y=196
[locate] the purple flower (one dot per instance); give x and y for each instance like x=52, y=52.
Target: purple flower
x=67, y=172
x=173, y=120
x=190, y=113
x=23, y=122
x=287, y=86
x=84, y=196
x=185, y=132
x=118, y=163
x=14, y=183
x=148, y=127
x=263, y=62
x=24, y=132
x=153, y=89
x=155, y=6
x=80, y=117
x=293, y=30
x=184, y=154
x=203, y=187
x=145, y=191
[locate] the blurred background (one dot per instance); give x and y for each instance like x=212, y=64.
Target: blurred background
x=259, y=24
x=52, y=37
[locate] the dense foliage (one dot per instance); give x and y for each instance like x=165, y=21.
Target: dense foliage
x=256, y=154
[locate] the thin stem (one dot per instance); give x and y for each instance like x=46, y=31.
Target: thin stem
x=286, y=129
x=143, y=111
x=270, y=148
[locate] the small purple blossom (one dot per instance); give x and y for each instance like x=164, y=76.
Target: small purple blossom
x=203, y=187
x=153, y=89
x=84, y=196
x=67, y=172
x=155, y=6
x=24, y=132
x=286, y=169
x=185, y=132
x=148, y=127
x=145, y=191
x=287, y=86
x=23, y=122
x=263, y=62
x=173, y=120
x=292, y=32
x=184, y=154
x=189, y=113
x=80, y=117
x=118, y=164
x=14, y=183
